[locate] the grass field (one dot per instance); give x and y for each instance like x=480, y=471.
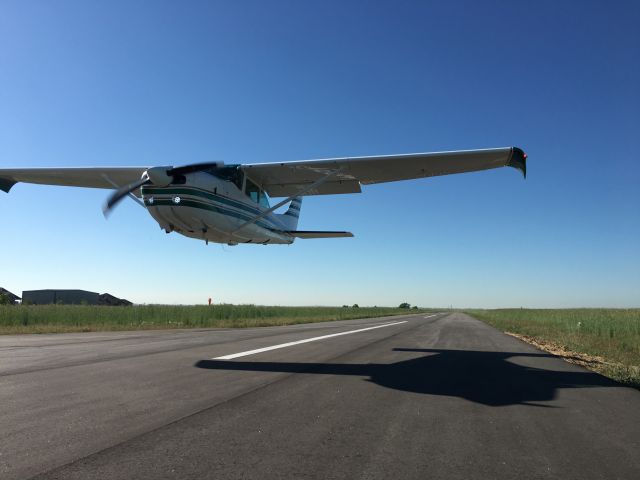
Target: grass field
x=89, y=318
x=609, y=339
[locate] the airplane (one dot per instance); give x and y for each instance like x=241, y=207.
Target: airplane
x=230, y=204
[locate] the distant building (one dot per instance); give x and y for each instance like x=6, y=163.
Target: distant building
x=12, y=298
x=70, y=297
x=108, y=299
x=67, y=297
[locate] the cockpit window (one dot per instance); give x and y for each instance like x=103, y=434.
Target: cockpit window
x=252, y=190
x=179, y=180
x=264, y=199
x=256, y=194
x=231, y=173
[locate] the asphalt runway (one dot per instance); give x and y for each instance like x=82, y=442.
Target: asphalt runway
x=441, y=396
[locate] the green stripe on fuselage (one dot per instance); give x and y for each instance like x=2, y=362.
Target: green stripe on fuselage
x=214, y=198
x=209, y=207
x=196, y=192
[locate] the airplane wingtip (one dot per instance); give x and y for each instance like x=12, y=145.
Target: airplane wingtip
x=6, y=184
x=518, y=160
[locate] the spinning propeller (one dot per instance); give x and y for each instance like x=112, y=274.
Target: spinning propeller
x=159, y=176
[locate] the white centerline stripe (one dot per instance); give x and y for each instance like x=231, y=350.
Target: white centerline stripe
x=307, y=340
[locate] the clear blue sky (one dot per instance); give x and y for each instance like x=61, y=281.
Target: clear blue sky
x=155, y=83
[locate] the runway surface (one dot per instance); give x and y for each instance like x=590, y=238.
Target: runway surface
x=442, y=396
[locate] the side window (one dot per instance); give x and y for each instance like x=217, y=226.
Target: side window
x=251, y=190
x=264, y=199
x=238, y=178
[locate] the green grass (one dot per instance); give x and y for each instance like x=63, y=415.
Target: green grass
x=613, y=334
x=88, y=318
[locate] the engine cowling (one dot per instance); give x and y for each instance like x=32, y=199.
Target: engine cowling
x=158, y=176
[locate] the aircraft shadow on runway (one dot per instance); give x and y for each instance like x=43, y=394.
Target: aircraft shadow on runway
x=488, y=378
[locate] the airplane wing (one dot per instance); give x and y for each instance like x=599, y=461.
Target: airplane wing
x=92, y=177
x=285, y=179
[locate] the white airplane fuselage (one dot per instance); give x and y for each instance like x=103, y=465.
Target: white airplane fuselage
x=213, y=209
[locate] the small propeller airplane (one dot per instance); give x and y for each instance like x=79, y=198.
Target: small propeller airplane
x=229, y=204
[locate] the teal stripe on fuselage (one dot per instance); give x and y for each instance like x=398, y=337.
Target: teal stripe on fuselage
x=214, y=198
x=201, y=193
x=209, y=207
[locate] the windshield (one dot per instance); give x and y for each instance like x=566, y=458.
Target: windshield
x=231, y=174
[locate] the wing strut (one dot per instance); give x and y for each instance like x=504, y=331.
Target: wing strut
x=315, y=184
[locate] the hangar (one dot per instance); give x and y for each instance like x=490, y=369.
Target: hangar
x=12, y=298
x=70, y=297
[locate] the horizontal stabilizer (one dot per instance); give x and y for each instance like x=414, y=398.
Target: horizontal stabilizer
x=314, y=234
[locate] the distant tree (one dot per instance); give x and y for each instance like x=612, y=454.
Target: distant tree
x=415, y=307
x=404, y=305
x=345, y=306
x=355, y=305
x=4, y=299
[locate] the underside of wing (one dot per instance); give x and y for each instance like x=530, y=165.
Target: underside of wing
x=317, y=234
x=345, y=175
x=92, y=177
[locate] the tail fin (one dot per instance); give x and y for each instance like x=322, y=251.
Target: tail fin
x=290, y=217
